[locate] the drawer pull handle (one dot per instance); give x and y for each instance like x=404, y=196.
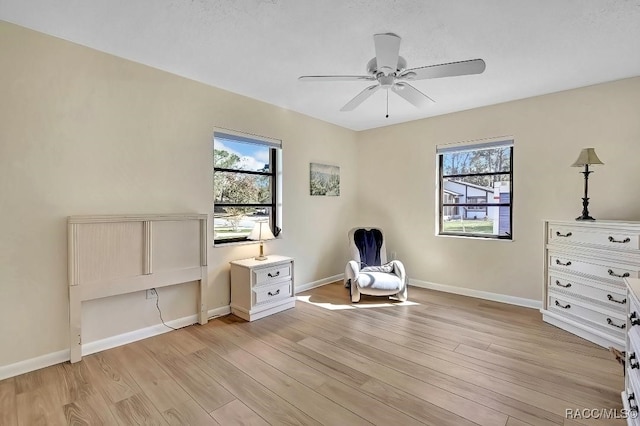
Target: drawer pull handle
x=274, y=294
x=610, y=322
x=567, y=306
x=613, y=274
x=634, y=318
x=273, y=276
x=565, y=264
x=559, y=234
x=613, y=240
x=632, y=358
x=559, y=284
x=611, y=299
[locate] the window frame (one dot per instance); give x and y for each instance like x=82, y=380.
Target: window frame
x=274, y=174
x=505, y=143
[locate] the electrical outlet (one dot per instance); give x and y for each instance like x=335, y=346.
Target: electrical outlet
x=152, y=293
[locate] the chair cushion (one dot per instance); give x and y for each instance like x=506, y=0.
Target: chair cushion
x=379, y=281
x=368, y=243
x=387, y=267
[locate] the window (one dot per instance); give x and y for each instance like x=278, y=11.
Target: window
x=246, y=179
x=475, y=190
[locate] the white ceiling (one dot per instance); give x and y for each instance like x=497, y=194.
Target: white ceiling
x=258, y=48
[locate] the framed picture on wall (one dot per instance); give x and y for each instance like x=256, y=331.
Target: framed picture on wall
x=324, y=180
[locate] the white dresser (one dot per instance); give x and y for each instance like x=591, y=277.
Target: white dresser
x=585, y=266
x=261, y=287
x=631, y=391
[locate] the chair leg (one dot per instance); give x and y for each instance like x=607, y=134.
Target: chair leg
x=402, y=296
x=355, y=293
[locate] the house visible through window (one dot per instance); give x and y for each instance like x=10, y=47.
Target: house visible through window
x=475, y=189
x=245, y=185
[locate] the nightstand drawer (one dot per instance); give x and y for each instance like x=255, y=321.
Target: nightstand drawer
x=267, y=294
x=271, y=275
x=612, y=239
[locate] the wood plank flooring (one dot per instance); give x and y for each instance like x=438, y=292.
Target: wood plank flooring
x=439, y=359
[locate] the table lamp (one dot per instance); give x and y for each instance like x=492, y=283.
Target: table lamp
x=261, y=232
x=586, y=158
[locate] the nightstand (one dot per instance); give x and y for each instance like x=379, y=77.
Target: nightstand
x=261, y=287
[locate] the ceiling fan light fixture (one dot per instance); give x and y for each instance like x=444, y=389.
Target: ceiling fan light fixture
x=386, y=81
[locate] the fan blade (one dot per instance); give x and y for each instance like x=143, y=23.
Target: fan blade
x=474, y=66
x=360, y=98
x=336, y=78
x=411, y=94
x=387, y=52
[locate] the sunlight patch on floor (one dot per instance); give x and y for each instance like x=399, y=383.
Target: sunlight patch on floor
x=332, y=306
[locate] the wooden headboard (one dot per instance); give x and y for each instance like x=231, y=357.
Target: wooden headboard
x=118, y=254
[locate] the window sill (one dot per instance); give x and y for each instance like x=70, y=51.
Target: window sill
x=472, y=237
x=240, y=243
x=234, y=243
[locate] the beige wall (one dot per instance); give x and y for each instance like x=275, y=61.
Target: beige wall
x=397, y=177
x=82, y=132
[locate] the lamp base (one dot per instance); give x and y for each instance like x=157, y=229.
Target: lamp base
x=261, y=256
x=585, y=210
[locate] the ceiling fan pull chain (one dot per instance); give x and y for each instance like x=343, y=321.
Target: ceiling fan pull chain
x=387, y=116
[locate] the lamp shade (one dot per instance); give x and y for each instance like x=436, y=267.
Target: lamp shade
x=260, y=232
x=587, y=156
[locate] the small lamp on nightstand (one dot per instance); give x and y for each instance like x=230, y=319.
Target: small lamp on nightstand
x=587, y=157
x=261, y=231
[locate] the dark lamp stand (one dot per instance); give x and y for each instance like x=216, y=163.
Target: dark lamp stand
x=585, y=199
x=586, y=158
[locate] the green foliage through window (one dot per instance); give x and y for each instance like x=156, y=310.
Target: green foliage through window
x=244, y=187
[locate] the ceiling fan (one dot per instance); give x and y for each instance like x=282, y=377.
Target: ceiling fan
x=389, y=70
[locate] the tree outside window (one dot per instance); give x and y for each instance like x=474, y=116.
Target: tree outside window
x=244, y=187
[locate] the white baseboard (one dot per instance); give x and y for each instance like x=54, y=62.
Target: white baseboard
x=58, y=357
x=218, y=312
x=33, y=364
x=496, y=297
x=318, y=283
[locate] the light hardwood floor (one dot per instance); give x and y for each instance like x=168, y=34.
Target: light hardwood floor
x=439, y=359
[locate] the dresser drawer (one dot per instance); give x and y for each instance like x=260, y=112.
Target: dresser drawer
x=598, y=268
x=615, y=323
x=267, y=294
x=266, y=276
x=634, y=320
x=633, y=360
x=627, y=403
x=607, y=295
x=612, y=239
x=633, y=389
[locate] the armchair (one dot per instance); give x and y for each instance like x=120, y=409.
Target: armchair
x=368, y=271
